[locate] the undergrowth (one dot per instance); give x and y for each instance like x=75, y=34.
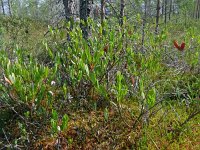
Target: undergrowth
x=59, y=90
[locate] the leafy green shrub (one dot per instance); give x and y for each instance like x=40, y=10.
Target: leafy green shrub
x=110, y=67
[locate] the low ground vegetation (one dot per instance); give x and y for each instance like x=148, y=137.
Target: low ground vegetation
x=60, y=91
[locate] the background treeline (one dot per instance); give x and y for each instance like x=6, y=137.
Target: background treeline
x=49, y=9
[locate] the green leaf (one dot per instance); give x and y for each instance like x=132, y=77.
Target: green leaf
x=102, y=90
x=141, y=85
x=87, y=51
x=54, y=125
x=93, y=77
x=143, y=95
x=12, y=78
x=151, y=98
x=65, y=121
x=54, y=114
x=86, y=69
x=50, y=29
x=80, y=74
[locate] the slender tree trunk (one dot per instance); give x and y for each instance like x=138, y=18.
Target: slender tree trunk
x=144, y=23
x=2, y=5
x=144, y=108
x=157, y=16
x=170, y=9
x=69, y=9
x=162, y=3
x=197, y=9
x=85, y=13
x=173, y=7
x=37, y=9
x=194, y=11
x=9, y=8
x=122, y=5
x=165, y=12
x=102, y=11
x=149, y=7
x=195, y=6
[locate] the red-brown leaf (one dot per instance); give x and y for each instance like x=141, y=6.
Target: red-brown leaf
x=132, y=80
x=182, y=46
x=176, y=44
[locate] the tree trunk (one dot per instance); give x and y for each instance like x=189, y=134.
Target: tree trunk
x=2, y=5
x=122, y=5
x=165, y=12
x=102, y=11
x=170, y=9
x=157, y=16
x=197, y=9
x=85, y=13
x=69, y=9
x=149, y=7
x=9, y=8
x=162, y=9
x=144, y=108
x=144, y=24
